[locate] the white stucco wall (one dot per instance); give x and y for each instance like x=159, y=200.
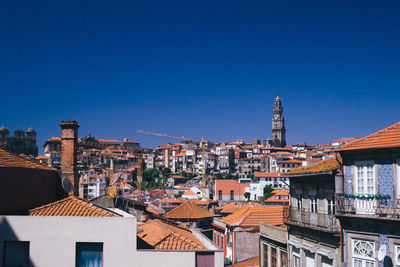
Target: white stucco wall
x=53, y=241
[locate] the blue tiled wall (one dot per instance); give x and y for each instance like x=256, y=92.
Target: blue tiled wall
x=386, y=179
x=348, y=179
x=383, y=240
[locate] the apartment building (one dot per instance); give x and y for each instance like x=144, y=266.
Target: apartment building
x=313, y=232
x=369, y=205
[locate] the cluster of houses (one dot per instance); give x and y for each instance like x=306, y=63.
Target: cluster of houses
x=340, y=206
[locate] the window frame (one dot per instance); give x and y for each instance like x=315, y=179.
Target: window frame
x=77, y=244
x=15, y=242
x=313, y=204
x=296, y=255
x=396, y=253
x=363, y=259
x=361, y=173
x=274, y=256
x=398, y=180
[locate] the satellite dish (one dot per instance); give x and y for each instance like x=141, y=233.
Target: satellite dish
x=66, y=184
x=381, y=252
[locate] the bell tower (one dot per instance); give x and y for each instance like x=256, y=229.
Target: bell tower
x=278, y=125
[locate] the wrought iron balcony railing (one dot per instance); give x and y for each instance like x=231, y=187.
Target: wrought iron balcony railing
x=367, y=206
x=312, y=219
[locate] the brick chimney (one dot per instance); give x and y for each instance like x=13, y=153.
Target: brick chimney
x=69, y=146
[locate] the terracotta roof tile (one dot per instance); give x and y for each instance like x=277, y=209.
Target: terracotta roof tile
x=327, y=165
x=252, y=214
x=385, y=138
x=254, y=262
x=189, y=193
x=165, y=236
x=278, y=192
x=188, y=210
x=8, y=159
x=229, y=208
x=154, y=211
x=70, y=206
x=266, y=174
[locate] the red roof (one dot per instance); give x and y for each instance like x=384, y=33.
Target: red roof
x=252, y=214
x=385, y=138
x=165, y=236
x=8, y=159
x=70, y=206
x=188, y=210
x=266, y=174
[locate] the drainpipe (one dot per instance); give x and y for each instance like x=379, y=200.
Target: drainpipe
x=259, y=250
x=341, y=229
x=341, y=245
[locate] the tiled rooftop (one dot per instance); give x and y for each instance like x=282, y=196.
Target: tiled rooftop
x=278, y=192
x=188, y=210
x=385, y=138
x=254, y=262
x=229, y=208
x=327, y=165
x=266, y=174
x=70, y=206
x=165, y=236
x=252, y=214
x=8, y=159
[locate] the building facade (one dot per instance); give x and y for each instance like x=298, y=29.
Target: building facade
x=313, y=232
x=19, y=143
x=369, y=205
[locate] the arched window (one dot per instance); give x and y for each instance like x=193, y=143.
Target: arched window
x=363, y=253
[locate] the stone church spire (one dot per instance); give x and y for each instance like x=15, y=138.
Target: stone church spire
x=278, y=125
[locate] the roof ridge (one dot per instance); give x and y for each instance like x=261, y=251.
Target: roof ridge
x=370, y=135
x=50, y=204
x=28, y=160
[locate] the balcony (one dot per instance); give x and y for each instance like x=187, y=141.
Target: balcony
x=319, y=221
x=362, y=206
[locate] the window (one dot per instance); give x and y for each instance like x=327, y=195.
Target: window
x=296, y=258
x=273, y=257
x=232, y=195
x=313, y=205
x=284, y=260
x=365, y=178
x=330, y=198
x=299, y=202
x=89, y=254
x=397, y=255
x=363, y=253
x=16, y=254
x=265, y=250
x=398, y=179
x=221, y=241
x=220, y=194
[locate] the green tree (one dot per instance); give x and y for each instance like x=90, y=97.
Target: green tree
x=180, y=193
x=268, y=191
x=150, y=174
x=166, y=172
x=247, y=196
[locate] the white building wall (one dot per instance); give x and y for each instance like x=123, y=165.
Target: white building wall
x=53, y=241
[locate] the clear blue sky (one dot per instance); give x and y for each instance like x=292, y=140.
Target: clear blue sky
x=200, y=67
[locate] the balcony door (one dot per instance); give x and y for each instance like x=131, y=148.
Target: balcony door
x=364, y=186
